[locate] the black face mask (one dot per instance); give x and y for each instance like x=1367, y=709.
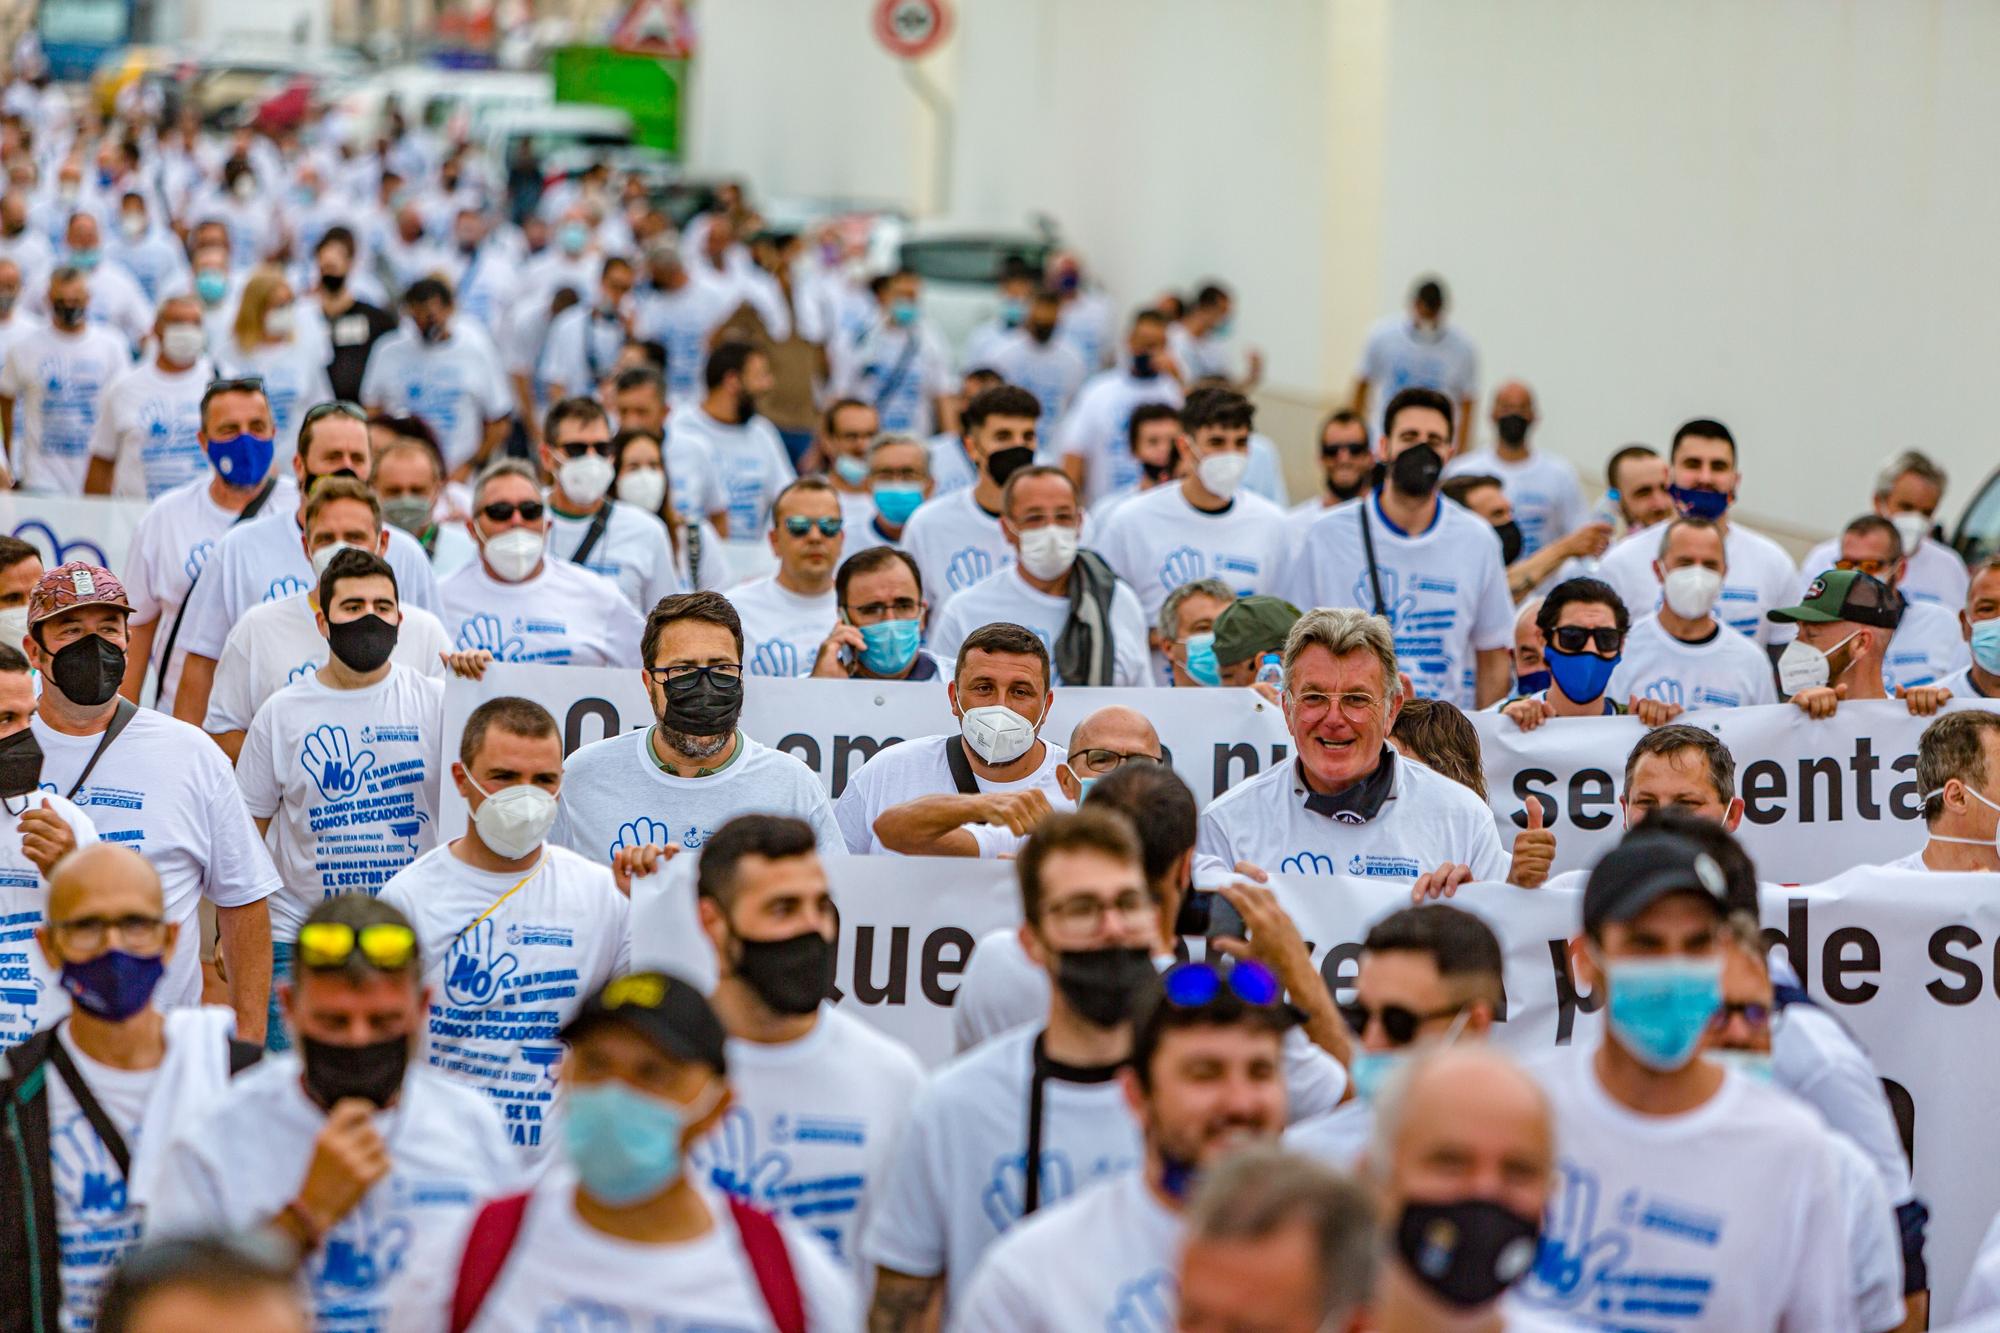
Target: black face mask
x=373, y=1072
x=1143, y=367
x=1158, y=472
x=331, y=283
x=1004, y=463
x=1512, y=428
x=1466, y=1252
x=20, y=763
x=88, y=671
x=790, y=976
x=1104, y=985
x=312, y=479
x=1041, y=333
x=362, y=644
x=1510, y=541
x=702, y=703
x=69, y=314
x=1416, y=470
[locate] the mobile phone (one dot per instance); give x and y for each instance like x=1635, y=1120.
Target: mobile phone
x=1196, y=909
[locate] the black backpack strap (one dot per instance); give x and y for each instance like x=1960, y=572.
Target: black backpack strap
x=1368, y=546
x=120, y=718
x=93, y=1111
x=961, y=767
x=593, y=534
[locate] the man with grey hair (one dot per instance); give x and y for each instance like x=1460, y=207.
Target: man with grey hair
x=1346, y=804
x=1276, y=1238
x=1184, y=633
x=1958, y=779
x=514, y=604
x=1908, y=491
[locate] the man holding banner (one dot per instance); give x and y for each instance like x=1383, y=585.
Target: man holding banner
x=1958, y=769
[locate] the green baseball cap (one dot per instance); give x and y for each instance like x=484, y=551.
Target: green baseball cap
x=1251, y=626
x=1844, y=594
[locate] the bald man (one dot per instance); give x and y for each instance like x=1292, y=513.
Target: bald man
x=1543, y=490
x=1462, y=1162
x=92, y=1101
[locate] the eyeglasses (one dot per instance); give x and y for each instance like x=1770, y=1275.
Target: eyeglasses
x=578, y=449
x=384, y=945
x=1758, y=1016
x=1399, y=1024
x=502, y=510
x=684, y=670
x=1100, y=760
x=88, y=934
x=1355, y=705
x=799, y=525
x=1082, y=914
x=1875, y=567
x=1572, y=638
x=1195, y=985
x=1357, y=450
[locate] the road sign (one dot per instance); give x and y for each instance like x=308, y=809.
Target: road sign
x=912, y=28
x=654, y=28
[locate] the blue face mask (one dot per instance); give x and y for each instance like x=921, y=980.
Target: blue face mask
x=1710, y=505
x=896, y=502
x=1753, y=1065
x=572, y=237
x=1986, y=645
x=114, y=985
x=211, y=286
x=1012, y=312
x=1581, y=676
x=83, y=259
x=1534, y=682
x=903, y=313
x=242, y=460
x=1660, y=1007
x=852, y=470
x=625, y=1145
x=1201, y=665
x=889, y=645
x=1371, y=1069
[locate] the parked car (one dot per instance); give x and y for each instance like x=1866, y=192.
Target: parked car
x=1978, y=533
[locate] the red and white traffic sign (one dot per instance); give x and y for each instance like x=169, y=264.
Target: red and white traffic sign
x=912, y=28
x=654, y=28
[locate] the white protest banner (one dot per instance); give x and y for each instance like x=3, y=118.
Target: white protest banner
x=1214, y=737
x=64, y=527
x=1818, y=796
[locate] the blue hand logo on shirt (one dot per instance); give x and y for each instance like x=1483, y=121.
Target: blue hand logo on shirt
x=474, y=973
x=300, y=671
x=485, y=631
x=197, y=559
x=285, y=585
x=83, y=1172
x=967, y=567
x=730, y=1156
x=641, y=832
x=775, y=657
x=1574, y=1255
x=1396, y=608
x=1005, y=1197
x=363, y=1252
x=329, y=758
x=1145, y=1304
x=1183, y=565
x=1667, y=690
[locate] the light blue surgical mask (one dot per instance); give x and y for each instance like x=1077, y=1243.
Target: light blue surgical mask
x=1201, y=665
x=211, y=286
x=1371, y=1070
x=1753, y=1065
x=84, y=259
x=902, y=313
x=1986, y=645
x=896, y=501
x=626, y=1145
x=1660, y=1007
x=851, y=470
x=889, y=645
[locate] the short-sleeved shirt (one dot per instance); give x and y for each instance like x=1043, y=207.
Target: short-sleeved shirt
x=562, y=616
x=455, y=387
x=1399, y=356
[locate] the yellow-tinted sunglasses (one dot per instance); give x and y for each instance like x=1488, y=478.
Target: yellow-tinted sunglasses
x=384, y=945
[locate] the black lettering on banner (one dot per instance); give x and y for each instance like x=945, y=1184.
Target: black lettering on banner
x=1764, y=781
x=1592, y=798
x=1864, y=765
x=1823, y=768
x=1796, y=939
x=1835, y=966
x=582, y=709
x=804, y=747
x=1965, y=969
x=1530, y=783
x=1903, y=802
x=1245, y=754
x=1340, y=966
x=1570, y=998
x=844, y=750
x=936, y=967
x=895, y=990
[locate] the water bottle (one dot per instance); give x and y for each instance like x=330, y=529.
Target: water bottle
x=1271, y=671
x=1604, y=511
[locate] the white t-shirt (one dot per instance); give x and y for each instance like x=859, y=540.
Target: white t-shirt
x=782, y=631
x=148, y=424
x=581, y=349
x=811, y=1125
x=955, y=543
x=265, y=559
x=561, y=616
x=1874, y=1241
x=681, y=321
x=1427, y=821
x=1927, y=647
x=1935, y=573
x=959, y=1174
x=1052, y=371
x=1981, y=1293
x=633, y=553
x=1541, y=489
x=901, y=372
x=1815, y=1059
x=58, y=381
x=1095, y=429
x=564, y=1274
x=1158, y=541
x=1399, y=356
x=1761, y=577
x=951, y=469
x=918, y=767
x=1444, y=588
x=166, y=791
x=718, y=468
x=294, y=375
x=1725, y=670
x=245, y=1160
x=1727, y=1217
x=510, y=958
x=349, y=779
x=1005, y=595
x=277, y=643
x=1103, y=1259
x=615, y=795
x=31, y=993
x=455, y=386
x=1339, y=1138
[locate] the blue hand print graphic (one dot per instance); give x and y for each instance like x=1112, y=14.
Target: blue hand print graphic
x=1005, y=1197
x=1398, y=609
x=641, y=832
x=967, y=567
x=473, y=972
x=485, y=631
x=197, y=559
x=1667, y=690
x=775, y=657
x=84, y=1174
x=1183, y=564
x=363, y=1252
x=285, y=585
x=1144, y=1305
x=328, y=758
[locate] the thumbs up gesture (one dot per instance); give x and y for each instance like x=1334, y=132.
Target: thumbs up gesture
x=1534, y=850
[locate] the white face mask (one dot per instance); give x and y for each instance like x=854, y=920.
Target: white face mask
x=132, y=224
x=1993, y=842
x=1804, y=667
x=1223, y=472
x=1048, y=552
x=183, y=343
x=514, y=820
x=515, y=553
x=1691, y=591
x=645, y=487
x=324, y=557
x=996, y=733
x=1912, y=528
x=279, y=321
x=586, y=479
x=14, y=627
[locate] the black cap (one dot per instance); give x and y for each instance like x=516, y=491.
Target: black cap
x=665, y=1010
x=1645, y=867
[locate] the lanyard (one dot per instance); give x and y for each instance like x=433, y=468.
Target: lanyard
x=494, y=906
x=1044, y=1070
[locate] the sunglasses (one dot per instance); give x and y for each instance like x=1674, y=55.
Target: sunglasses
x=384, y=945
x=1758, y=1016
x=799, y=525
x=1399, y=1024
x=328, y=409
x=1344, y=450
x=502, y=510
x=1193, y=985
x=1572, y=638
x=602, y=448
x=242, y=384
